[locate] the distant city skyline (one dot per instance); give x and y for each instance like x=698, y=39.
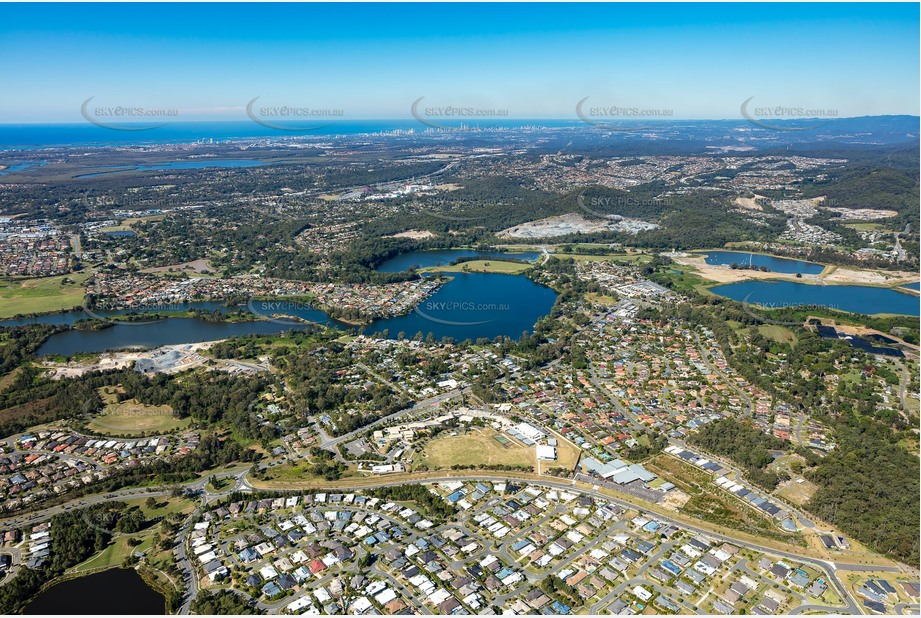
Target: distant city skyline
x=201, y=62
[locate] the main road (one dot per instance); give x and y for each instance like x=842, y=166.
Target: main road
x=199, y=486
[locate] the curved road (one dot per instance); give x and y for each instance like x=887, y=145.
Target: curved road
x=242, y=484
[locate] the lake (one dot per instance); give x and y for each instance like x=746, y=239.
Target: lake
x=853, y=298
x=443, y=257
x=167, y=331
x=471, y=305
x=20, y=167
x=262, y=308
x=115, y=591
x=475, y=305
x=180, y=165
x=773, y=264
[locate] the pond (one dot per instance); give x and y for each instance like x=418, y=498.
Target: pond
x=773, y=264
x=853, y=298
x=443, y=257
x=177, y=165
x=475, y=305
x=115, y=591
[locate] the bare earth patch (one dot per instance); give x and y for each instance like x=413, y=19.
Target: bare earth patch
x=186, y=357
x=873, y=277
x=197, y=266
x=831, y=274
x=675, y=499
x=414, y=234
x=573, y=223
x=798, y=493
x=748, y=203
x=864, y=214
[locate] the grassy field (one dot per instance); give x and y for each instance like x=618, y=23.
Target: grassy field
x=778, y=333
x=133, y=220
x=8, y=379
x=869, y=227
x=119, y=549
x=41, y=295
x=133, y=418
x=287, y=473
x=163, y=506
x=114, y=554
x=685, y=278
x=481, y=266
x=478, y=446
x=600, y=299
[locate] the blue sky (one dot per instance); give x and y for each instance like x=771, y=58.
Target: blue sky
x=535, y=61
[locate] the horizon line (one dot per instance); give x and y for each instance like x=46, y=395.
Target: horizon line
x=482, y=120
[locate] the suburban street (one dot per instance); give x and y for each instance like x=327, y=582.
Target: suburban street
x=829, y=568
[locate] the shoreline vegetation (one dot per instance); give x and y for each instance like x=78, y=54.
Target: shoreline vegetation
x=711, y=275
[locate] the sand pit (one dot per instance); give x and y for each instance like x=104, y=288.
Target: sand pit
x=748, y=203
x=831, y=274
x=414, y=234
x=196, y=266
x=574, y=223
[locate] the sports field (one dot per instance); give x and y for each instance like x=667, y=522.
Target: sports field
x=473, y=447
x=133, y=418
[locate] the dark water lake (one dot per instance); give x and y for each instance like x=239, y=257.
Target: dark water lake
x=475, y=305
x=853, y=298
x=773, y=264
x=152, y=334
x=443, y=257
x=116, y=591
x=179, y=165
x=471, y=305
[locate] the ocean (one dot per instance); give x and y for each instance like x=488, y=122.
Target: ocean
x=34, y=136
